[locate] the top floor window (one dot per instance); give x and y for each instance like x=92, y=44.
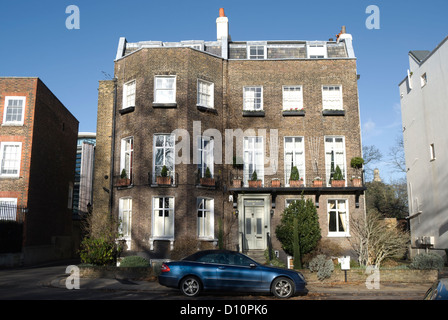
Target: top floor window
x=332, y=97
x=165, y=89
x=317, y=50
x=255, y=52
x=253, y=98
x=14, y=110
x=129, y=94
x=205, y=94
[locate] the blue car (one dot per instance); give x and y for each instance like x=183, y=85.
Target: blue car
x=229, y=271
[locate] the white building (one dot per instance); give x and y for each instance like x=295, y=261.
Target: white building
x=424, y=108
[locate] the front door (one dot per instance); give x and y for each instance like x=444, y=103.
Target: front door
x=254, y=224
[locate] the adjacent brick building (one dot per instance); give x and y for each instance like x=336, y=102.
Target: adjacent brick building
x=37, y=158
x=201, y=108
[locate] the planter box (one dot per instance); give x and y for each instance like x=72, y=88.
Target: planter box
x=163, y=180
x=275, y=183
x=338, y=183
x=317, y=183
x=356, y=182
x=123, y=182
x=255, y=184
x=236, y=183
x=293, y=113
x=296, y=183
x=207, y=182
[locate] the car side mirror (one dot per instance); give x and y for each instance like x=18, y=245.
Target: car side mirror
x=253, y=265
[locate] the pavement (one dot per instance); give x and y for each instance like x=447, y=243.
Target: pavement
x=316, y=291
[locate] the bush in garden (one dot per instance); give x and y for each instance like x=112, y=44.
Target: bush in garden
x=427, y=261
x=98, y=251
x=134, y=261
x=322, y=265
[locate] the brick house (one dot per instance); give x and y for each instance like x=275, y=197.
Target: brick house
x=224, y=109
x=37, y=157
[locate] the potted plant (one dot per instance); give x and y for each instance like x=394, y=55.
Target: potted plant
x=317, y=182
x=294, y=178
x=254, y=182
x=356, y=163
x=275, y=183
x=338, y=178
x=164, y=179
x=207, y=180
x=124, y=180
x=237, y=181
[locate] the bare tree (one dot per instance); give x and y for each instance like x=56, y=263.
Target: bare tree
x=374, y=239
x=396, y=155
x=370, y=154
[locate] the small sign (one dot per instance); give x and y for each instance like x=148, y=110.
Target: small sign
x=345, y=262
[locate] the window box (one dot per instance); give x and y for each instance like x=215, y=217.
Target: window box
x=164, y=105
x=338, y=183
x=206, y=109
x=333, y=112
x=293, y=113
x=254, y=183
x=210, y=182
x=126, y=110
x=275, y=183
x=123, y=182
x=296, y=183
x=236, y=183
x=163, y=180
x=356, y=182
x=249, y=113
x=317, y=183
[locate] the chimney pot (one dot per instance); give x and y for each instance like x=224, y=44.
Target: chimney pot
x=221, y=12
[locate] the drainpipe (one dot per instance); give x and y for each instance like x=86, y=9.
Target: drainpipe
x=112, y=158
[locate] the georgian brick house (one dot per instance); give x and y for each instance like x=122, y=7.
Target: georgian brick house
x=224, y=109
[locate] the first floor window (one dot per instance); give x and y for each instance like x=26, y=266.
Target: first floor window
x=205, y=156
x=163, y=217
x=253, y=158
x=14, y=110
x=332, y=97
x=292, y=98
x=253, y=98
x=294, y=157
x=125, y=215
x=163, y=153
x=8, y=208
x=337, y=217
x=165, y=89
x=205, y=218
x=334, y=156
x=127, y=152
x=10, y=154
x=205, y=94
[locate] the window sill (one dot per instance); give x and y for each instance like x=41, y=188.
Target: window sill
x=164, y=105
x=12, y=124
x=206, y=109
x=293, y=113
x=126, y=110
x=333, y=112
x=247, y=113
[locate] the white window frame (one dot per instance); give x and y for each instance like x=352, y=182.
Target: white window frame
x=339, y=157
x=298, y=157
x=205, y=155
x=253, y=156
x=129, y=92
x=8, y=203
x=158, y=98
x=167, y=225
x=256, y=55
x=332, y=97
x=14, y=122
x=338, y=212
x=125, y=153
x=288, y=201
x=292, y=97
x=205, y=218
x=250, y=99
x=171, y=167
x=317, y=50
x=206, y=94
x=18, y=161
x=125, y=218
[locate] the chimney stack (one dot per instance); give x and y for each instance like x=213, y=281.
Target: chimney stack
x=222, y=32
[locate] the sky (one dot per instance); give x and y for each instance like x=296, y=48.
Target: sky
x=37, y=43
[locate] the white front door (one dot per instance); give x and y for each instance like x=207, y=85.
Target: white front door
x=254, y=225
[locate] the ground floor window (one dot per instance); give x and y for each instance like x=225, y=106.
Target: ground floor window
x=125, y=215
x=205, y=210
x=8, y=208
x=163, y=217
x=337, y=217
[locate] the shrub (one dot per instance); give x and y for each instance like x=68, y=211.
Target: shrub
x=338, y=174
x=322, y=265
x=98, y=251
x=427, y=261
x=295, y=176
x=135, y=262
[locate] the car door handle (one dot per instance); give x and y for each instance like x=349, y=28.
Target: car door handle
x=221, y=268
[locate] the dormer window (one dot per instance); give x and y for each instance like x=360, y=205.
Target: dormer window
x=317, y=50
x=256, y=52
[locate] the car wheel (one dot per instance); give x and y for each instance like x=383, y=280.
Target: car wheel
x=282, y=288
x=190, y=286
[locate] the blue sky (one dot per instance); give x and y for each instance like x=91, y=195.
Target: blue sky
x=36, y=42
